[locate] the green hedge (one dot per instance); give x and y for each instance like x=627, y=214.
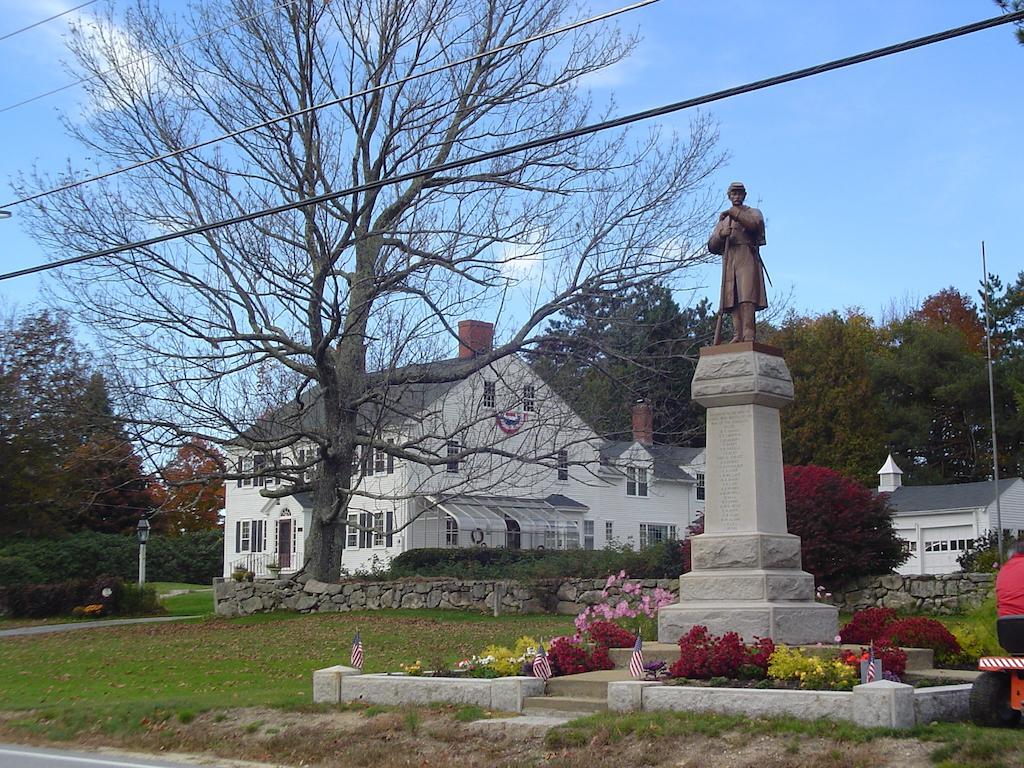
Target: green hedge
x=661, y=561
x=113, y=596
x=193, y=558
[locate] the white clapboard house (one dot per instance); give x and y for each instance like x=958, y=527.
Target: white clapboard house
x=938, y=523
x=574, y=489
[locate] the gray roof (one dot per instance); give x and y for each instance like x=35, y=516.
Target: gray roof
x=403, y=401
x=908, y=499
x=667, y=458
x=564, y=502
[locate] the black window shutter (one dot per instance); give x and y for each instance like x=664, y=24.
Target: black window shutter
x=238, y=536
x=390, y=517
x=238, y=482
x=368, y=460
x=391, y=464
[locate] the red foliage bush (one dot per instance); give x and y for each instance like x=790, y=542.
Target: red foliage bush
x=893, y=659
x=703, y=655
x=868, y=625
x=610, y=635
x=845, y=530
x=569, y=658
x=922, y=632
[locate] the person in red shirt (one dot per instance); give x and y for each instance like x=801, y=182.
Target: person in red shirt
x=1010, y=583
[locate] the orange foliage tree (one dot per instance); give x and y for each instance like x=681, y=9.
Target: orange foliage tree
x=951, y=309
x=193, y=496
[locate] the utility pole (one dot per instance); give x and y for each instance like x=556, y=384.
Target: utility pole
x=992, y=412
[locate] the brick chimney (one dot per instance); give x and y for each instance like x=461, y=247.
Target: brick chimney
x=643, y=423
x=475, y=338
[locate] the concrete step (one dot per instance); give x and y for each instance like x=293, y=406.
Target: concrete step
x=592, y=685
x=953, y=676
x=581, y=705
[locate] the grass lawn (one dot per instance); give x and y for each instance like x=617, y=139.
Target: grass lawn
x=196, y=600
x=267, y=659
x=163, y=587
x=228, y=685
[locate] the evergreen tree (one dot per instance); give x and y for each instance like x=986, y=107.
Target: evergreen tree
x=611, y=351
x=65, y=463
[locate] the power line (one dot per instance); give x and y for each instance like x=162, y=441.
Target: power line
x=618, y=122
x=332, y=102
x=140, y=59
x=43, y=21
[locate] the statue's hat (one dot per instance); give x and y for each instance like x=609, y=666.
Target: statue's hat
x=737, y=185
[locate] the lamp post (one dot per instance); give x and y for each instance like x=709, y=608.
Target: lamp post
x=143, y=533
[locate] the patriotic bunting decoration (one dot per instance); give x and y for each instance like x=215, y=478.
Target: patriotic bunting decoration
x=510, y=422
x=636, y=659
x=357, y=651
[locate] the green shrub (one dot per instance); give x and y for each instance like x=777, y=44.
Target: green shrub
x=62, y=598
x=983, y=555
x=18, y=570
x=135, y=601
x=36, y=601
x=194, y=558
x=661, y=561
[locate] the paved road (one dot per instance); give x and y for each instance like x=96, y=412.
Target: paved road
x=43, y=629
x=15, y=756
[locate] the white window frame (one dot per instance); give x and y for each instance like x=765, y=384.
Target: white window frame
x=451, y=531
x=588, y=534
x=563, y=464
x=609, y=531
x=245, y=540
x=636, y=481
x=378, y=530
x=453, y=450
x=666, y=532
x=529, y=398
x=700, y=487
x=352, y=534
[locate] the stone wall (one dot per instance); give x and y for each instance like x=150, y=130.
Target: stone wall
x=944, y=594
x=569, y=596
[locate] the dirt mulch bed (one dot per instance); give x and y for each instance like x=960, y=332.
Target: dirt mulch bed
x=239, y=738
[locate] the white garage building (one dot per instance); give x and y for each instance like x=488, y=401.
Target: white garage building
x=938, y=523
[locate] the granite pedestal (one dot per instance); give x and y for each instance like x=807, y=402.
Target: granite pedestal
x=746, y=574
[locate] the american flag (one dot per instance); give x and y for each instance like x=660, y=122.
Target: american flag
x=357, y=651
x=871, y=664
x=636, y=659
x=541, y=667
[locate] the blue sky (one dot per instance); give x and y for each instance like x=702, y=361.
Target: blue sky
x=878, y=182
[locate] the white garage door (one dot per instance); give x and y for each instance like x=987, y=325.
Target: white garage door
x=942, y=546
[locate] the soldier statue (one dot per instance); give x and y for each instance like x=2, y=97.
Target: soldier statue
x=737, y=238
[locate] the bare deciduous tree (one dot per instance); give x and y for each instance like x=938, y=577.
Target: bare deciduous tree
x=338, y=308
